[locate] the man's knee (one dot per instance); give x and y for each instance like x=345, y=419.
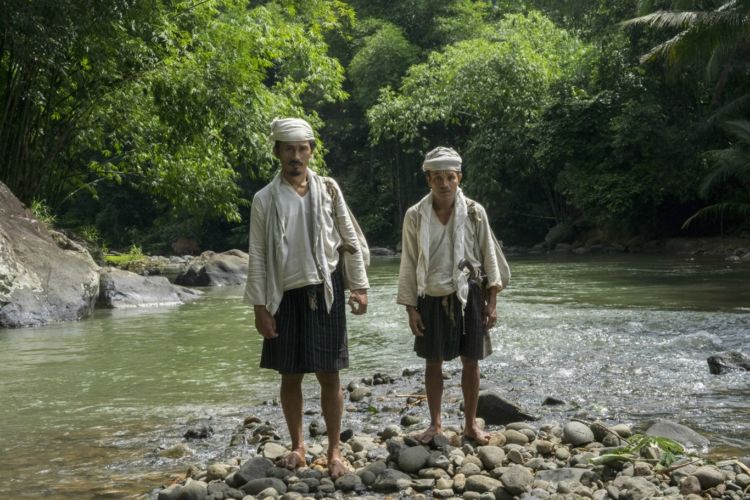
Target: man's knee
x=469, y=363
x=328, y=380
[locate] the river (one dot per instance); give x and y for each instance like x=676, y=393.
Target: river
x=85, y=407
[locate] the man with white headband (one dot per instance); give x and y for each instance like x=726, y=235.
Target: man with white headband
x=451, y=270
x=305, y=249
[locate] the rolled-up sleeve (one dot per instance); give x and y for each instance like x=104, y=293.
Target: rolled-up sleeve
x=255, y=287
x=407, y=274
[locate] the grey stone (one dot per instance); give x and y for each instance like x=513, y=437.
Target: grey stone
x=622, y=430
x=317, y=428
x=215, y=269
x=391, y=481
x=423, y=484
x=412, y=459
x=516, y=457
x=497, y=411
x=120, y=289
x=274, y=451
x=390, y=432
x=491, y=456
x=636, y=488
x=481, y=484
x=252, y=469
x=544, y=447
x=709, y=476
x=216, y=471
x=728, y=361
x=201, y=429
x=515, y=437
x=686, y=436
x=556, y=476
x=44, y=276
x=255, y=486
x=577, y=433
x=409, y=420
x=359, y=394
x=690, y=485
x=517, y=479
x=349, y=482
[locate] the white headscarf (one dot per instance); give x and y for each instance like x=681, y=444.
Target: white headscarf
x=291, y=130
x=442, y=158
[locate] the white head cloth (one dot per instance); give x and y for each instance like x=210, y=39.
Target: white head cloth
x=441, y=158
x=291, y=130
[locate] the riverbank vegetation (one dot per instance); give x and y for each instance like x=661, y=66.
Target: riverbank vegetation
x=147, y=121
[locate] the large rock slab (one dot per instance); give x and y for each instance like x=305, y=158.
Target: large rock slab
x=215, y=269
x=497, y=411
x=41, y=280
x=123, y=289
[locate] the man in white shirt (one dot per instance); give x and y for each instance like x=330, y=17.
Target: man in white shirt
x=305, y=248
x=451, y=270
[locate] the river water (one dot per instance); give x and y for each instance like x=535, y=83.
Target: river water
x=85, y=407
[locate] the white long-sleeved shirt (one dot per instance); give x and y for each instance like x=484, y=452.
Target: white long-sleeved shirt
x=266, y=288
x=480, y=249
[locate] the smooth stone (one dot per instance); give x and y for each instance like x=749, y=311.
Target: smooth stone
x=491, y=456
x=516, y=457
x=690, y=485
x=390, y=432
x=409, y=420
x=686, y=436
x=544, y=447
x=622, y=430
x=252, y=469
x=256, y=486
x=517, y=479
x=274, y=451
x=349, y=482
x=577, y=434
x=216, y=471
x=359, y=394
x=481, y=484
x=413, y=459
x=515, y=437
x=391, y=481
x=709, y=476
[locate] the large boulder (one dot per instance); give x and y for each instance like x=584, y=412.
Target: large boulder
x=497, y=411
x=728, y=361
x=684, y=435
x=123, y=289
x=215, y=269
x=41, y=280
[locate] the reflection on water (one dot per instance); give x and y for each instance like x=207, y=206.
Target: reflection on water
x=85, y=405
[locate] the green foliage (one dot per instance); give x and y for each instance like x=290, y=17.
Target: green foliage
x=381, y=60
x=134, y=255
x=42, y=212
x=669, y=450
x=730, y=178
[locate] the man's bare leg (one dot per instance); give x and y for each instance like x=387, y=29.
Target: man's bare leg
x=470, y=388
x=291, y=403
x=332, y=403
x=433, y=381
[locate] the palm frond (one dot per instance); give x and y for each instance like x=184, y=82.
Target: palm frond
x=740, y=129
x=665, y=19
x=733, y=108
x=718, y=211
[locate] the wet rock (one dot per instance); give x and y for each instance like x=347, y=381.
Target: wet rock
x=390, y=432
x=177, y=451
x=635, y=488
x=215, y=269
x=216, y=471
x=359, y=394
x=391, y=481
x=728, y=361
x=122, y=289
x=497, y=411
x=686, y=436
x=622, y=430
x=544, y=447
x=409, y=420
x=317, y=428
x=549, y=401
x=274, y=451
x=201, y=430
x=690, y=485
x=252, y=469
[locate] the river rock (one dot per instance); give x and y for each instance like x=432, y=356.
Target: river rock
x=359, y=394
x=255, y=486
x=690, y=485
x=412, y=459
x=491, y=456
x=481, y=484
x=44, y=276
x=515, y=437
x=577, y=434
x=728, y=361
x=517, y=479
x=391, y=481
x=252, y=469
x=200, y=430
x=497, y=411
x=686, y=436
x=123, y=289
x=274, y=451
x=709, y=476
x=215, y=269
x=635, y=488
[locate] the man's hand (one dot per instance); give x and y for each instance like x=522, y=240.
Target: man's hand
x=358, y=301
x=415, y=321
x=265, y=323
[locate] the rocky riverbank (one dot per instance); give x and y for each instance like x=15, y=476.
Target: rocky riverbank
x=578, y=458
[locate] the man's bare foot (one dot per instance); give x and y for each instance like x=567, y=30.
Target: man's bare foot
x=477, y=435
x=294, y=459
x=338, y=466
x=429, y=434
